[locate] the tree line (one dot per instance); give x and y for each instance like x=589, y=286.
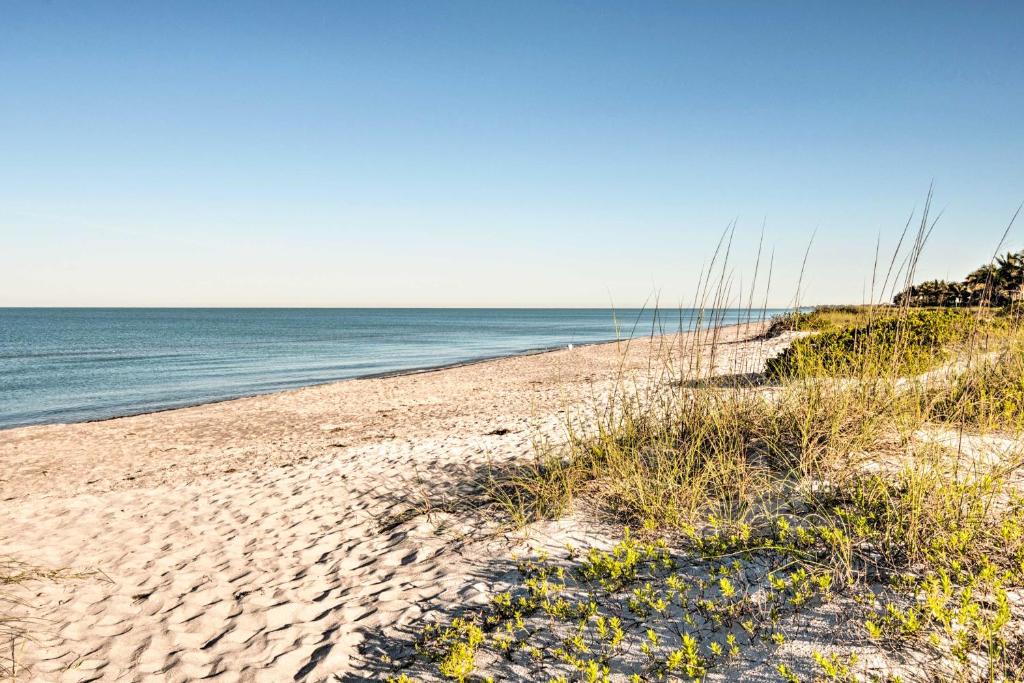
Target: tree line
x=994, y=284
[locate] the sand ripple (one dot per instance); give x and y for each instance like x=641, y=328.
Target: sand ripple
x=263, y=539
x=263, y=576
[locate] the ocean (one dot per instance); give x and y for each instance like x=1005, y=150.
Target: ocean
x=79, y=364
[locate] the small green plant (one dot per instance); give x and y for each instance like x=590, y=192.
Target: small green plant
x=835, y=669
x=453, y=647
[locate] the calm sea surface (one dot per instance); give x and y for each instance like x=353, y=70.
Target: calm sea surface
x=69, y=365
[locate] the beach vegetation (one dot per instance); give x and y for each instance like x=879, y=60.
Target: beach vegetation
x=17, y=624
x=900, y=343
x=866, y=484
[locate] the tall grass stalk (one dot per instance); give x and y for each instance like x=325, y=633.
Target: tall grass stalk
x=830, y=472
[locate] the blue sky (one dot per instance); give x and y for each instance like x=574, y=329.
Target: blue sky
x=483, y=153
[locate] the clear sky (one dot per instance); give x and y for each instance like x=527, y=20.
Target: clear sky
x=493, y=154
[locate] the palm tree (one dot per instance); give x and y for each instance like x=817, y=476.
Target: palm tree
x=906, y=297
x=1009, y=277
x=980, y=283
x=995, y=284
x=931, y=293
x=957, y=295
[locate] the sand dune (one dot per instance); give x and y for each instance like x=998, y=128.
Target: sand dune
x=264, y=538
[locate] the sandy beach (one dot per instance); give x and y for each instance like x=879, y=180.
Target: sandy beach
x=268, y=538
x=479, y=342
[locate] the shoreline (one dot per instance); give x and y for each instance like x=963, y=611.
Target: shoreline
x=387, y=374
x=274, y=536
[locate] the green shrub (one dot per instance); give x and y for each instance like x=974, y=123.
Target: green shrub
x=701, y=452
x=895, y=345
x=820, y=319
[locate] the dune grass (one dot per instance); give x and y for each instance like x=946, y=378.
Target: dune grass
x=855, y=512
x=15, y=627
x=774, y=503
x=921, y=563
x=988, y=394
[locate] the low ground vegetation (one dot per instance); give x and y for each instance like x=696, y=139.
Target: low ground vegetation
x=816, y=499
x=887, y=343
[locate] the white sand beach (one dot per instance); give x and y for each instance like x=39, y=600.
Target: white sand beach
x=267, y=538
